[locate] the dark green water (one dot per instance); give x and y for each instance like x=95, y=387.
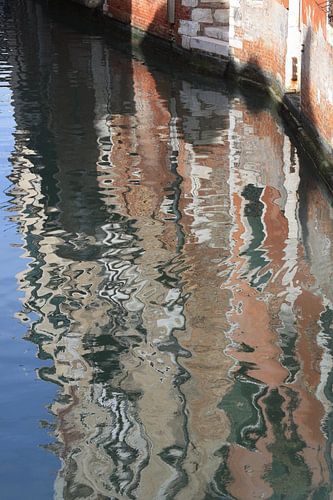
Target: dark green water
x=166, y=278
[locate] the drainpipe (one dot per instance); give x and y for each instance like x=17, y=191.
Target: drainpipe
x=171, y=11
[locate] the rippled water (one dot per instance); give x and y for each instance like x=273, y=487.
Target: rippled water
x=167, y=255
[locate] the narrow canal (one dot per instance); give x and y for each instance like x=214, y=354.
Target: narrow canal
x=166, y=278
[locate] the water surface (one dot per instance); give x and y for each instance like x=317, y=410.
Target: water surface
x=166, y=296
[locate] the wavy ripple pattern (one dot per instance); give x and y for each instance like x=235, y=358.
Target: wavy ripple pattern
x=177, y=281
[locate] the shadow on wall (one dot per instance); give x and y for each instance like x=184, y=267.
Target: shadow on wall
x=306, y=72
x=250, y=72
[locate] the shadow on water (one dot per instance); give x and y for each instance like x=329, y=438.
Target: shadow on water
x=173, y=238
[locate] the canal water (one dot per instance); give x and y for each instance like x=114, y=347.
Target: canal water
x=166, y=277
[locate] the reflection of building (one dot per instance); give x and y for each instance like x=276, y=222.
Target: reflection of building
x=274, y=302
x=205, y=208
x=102, y=307
x=174, y=274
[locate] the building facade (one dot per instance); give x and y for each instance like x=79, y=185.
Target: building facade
x=288, y=43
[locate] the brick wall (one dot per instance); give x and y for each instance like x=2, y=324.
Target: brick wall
x=317, y=84
x=150, y=16
x=196, y=21
x=258, y=33
x=317, y=65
